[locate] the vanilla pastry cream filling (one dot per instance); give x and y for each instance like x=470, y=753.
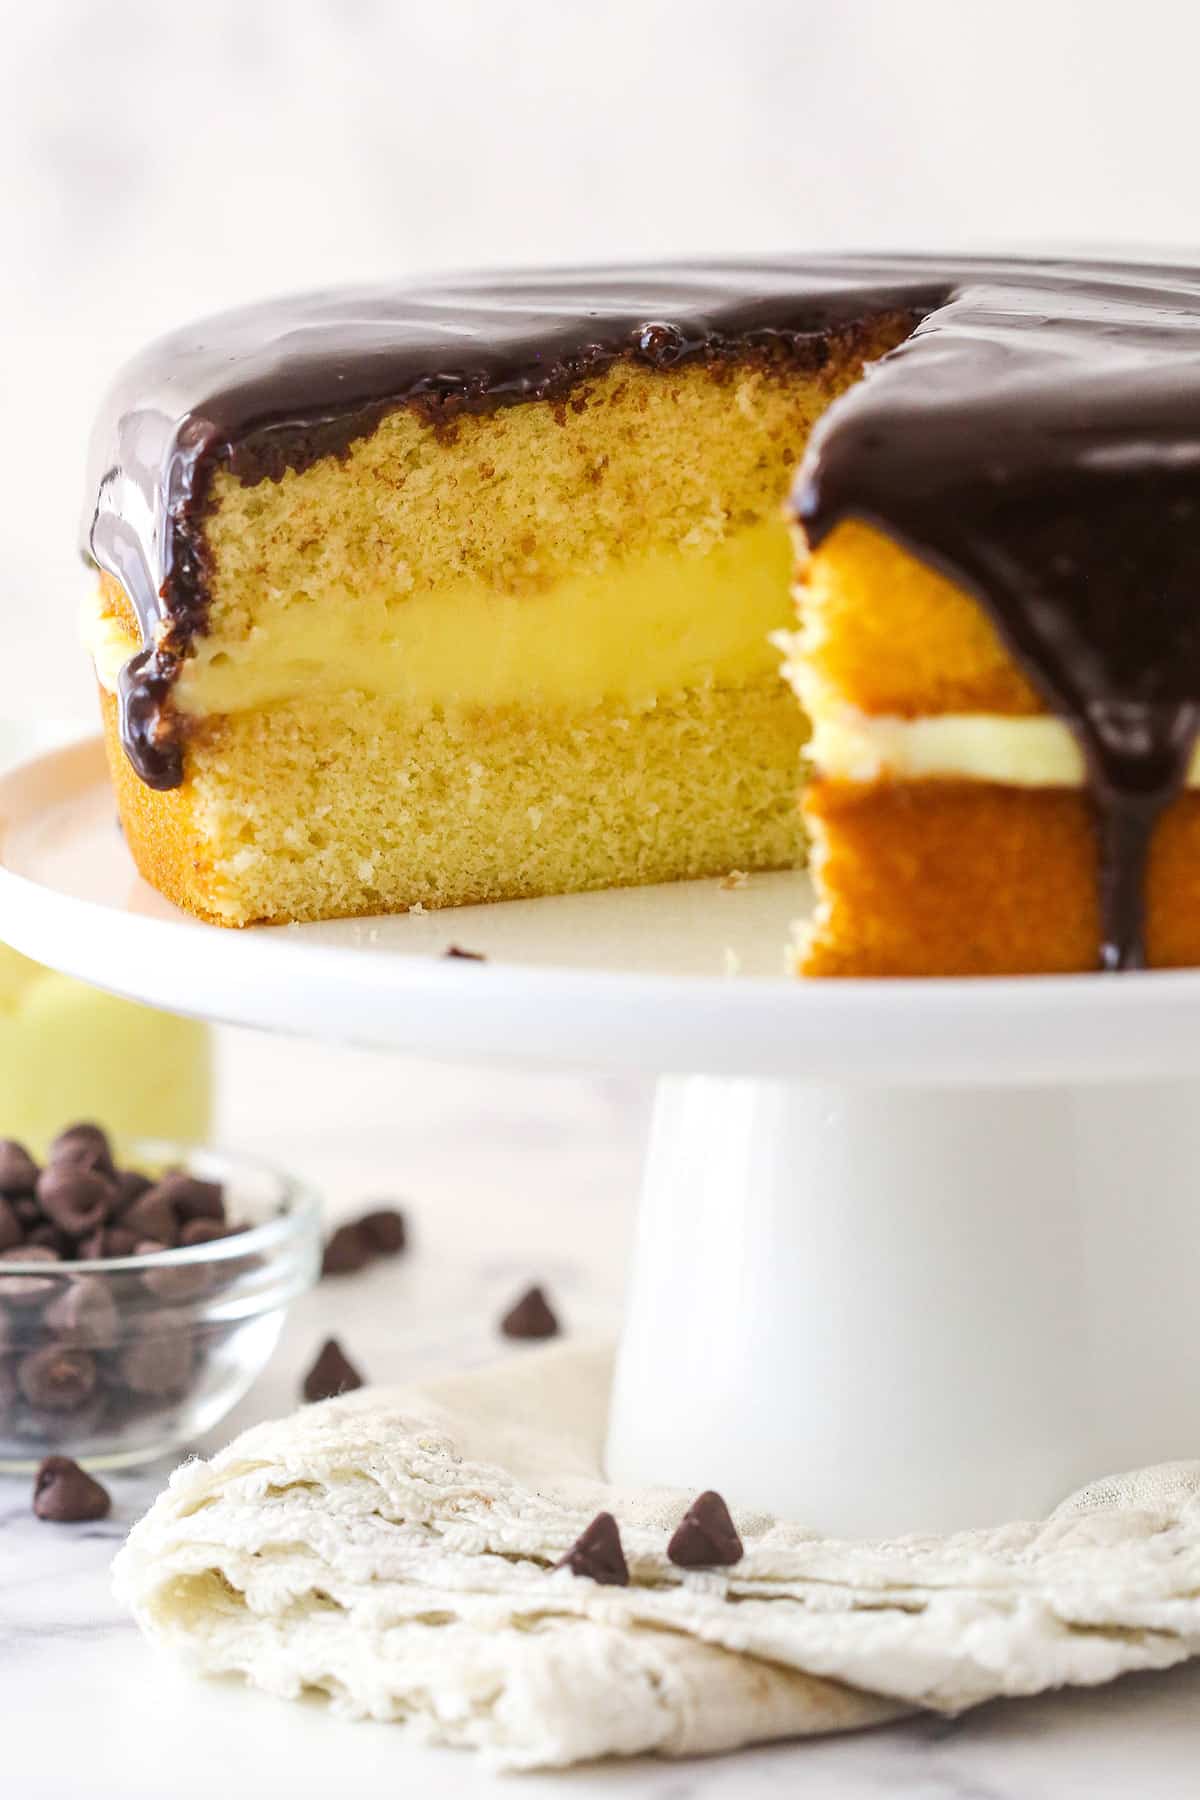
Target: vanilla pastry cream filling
x=1039, y=751
x=665, y=621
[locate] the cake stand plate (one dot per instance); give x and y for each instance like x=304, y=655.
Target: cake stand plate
x=911, y=1255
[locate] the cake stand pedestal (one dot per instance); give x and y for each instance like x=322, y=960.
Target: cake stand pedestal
x=885, y=1309
x=911, y=1255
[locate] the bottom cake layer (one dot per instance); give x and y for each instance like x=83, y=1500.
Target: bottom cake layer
x=974, y=878
x=354, y=805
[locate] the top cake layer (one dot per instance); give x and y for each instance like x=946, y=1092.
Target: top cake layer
x=1037, y=440
x=275, y=387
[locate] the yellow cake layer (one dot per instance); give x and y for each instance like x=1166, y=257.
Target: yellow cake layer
x=355, y=804
x=664, y=621
x=882, y=631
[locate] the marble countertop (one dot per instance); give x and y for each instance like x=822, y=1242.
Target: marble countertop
x=507, y=1177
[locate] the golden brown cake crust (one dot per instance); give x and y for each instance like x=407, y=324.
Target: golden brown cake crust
x=888, y=634
x=159, y=827
x=974, y=878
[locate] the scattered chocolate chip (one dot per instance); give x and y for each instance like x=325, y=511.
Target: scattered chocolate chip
x=347, y=1251
x=152, y=1216
x=18, y=1171
x=31, y=1289
x=192, y=1198
x=85, y=1144
x=27, y=1210
x=65, y=1494
x=531, y=1317
x=333, y=1373
x=161, y=1361
x=74, y=1196
x=706, y=1537
x=385, y=1230
x=84, y=1313
x=456, y=952
x=11, y=1232
x=57, y=1378
x=597, y=1554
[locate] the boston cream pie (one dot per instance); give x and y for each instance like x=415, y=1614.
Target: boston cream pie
x=436, y=595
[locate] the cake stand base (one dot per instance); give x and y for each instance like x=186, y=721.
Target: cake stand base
x=877, y=1310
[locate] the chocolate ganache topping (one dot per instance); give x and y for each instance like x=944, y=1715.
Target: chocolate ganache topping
x=1037, y=438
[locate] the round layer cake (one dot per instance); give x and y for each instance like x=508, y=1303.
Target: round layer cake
x=451, y=593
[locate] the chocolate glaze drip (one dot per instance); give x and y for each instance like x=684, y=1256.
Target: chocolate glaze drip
x=1037, y=438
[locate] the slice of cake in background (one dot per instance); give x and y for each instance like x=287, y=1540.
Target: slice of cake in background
x=448, y=596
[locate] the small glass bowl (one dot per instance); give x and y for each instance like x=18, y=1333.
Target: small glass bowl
x=120, y=1360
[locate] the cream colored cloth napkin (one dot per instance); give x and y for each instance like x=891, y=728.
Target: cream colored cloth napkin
x=395, y=1549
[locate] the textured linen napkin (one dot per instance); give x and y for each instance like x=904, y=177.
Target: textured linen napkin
x=394, y=1550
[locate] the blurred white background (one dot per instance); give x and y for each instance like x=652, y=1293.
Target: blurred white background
x=160, y=161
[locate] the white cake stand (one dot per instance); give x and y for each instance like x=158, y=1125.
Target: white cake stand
x=911, y=1255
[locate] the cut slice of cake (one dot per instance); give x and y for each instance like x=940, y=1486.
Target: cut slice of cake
x=504, y=634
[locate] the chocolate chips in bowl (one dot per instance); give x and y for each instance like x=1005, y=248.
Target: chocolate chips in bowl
x=140, y=1292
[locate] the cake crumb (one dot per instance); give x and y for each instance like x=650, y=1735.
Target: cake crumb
x=731, y=962
x=416, y=909
x=736, y=878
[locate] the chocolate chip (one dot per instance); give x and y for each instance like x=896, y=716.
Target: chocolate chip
x=347, y=1251
x=706, y=1537
x=84, y=1144
x=110, y=1240
x=18, y=1171
x=333, y=1373
x=203, y=1231
x=131, y=1185
x=84, y=1313
x=74, y=1196
x=385, y=1230
x=45, y=1427
x=152, y=1215
x=65, y=1494
x=173, y=1281
x=27, y=1210
x=597, y=1553
x=11, y=1232
x=160, y=1362
x=457, y=953
x=57, y=1378
x=31, y=1289
x=530, y=1317
x=193, y=1198
x=52, y=1237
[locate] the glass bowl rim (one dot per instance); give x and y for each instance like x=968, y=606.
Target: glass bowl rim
x=300, y=1219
